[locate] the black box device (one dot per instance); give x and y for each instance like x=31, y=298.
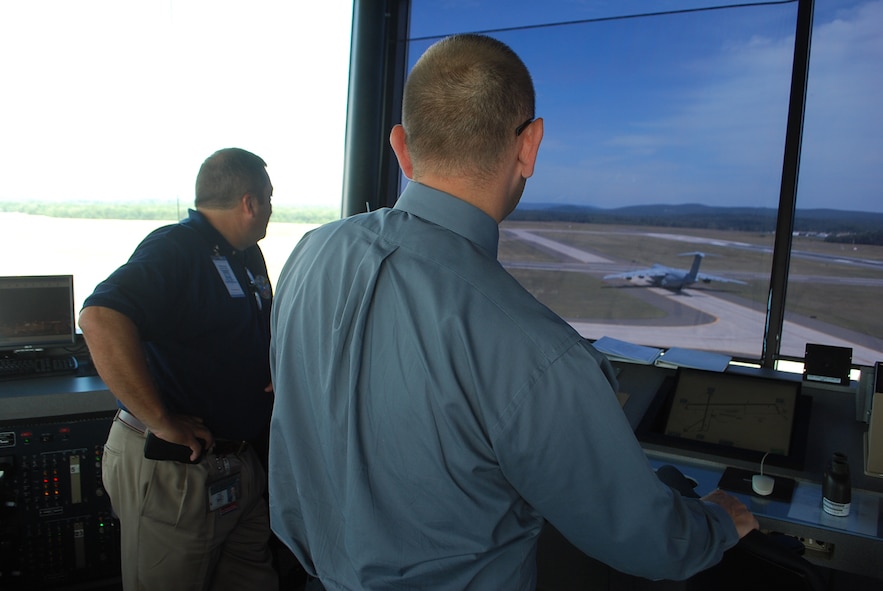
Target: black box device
x=160, y=449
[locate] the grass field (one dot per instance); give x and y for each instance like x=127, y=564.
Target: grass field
x=819, y=290
x=584, y=296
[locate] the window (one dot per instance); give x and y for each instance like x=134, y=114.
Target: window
x=111, y=107
x=665, y=135
x=836, y=272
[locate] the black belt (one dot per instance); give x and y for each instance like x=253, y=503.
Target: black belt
x=131, y=421
x=226, y=447
x=223, y=447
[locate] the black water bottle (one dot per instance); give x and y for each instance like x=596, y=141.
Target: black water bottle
x=836, y=490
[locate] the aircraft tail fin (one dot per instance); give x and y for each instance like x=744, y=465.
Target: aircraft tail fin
x=694, y=270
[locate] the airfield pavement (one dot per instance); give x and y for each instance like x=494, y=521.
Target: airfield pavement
x=91, y=248
x=731, y=327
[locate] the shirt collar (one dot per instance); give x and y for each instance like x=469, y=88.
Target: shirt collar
x=216, y=240
x=454, y=214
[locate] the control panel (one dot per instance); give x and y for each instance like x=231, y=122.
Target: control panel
x=57, y=529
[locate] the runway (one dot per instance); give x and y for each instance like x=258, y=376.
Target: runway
x=733, y=329
x=565, y=249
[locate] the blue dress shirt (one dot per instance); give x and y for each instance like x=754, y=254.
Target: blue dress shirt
x=431, y=415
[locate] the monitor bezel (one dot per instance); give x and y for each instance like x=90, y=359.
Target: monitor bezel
x=651, y=429
x=15, y=344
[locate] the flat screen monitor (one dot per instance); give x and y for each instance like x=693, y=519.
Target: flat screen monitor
x=731, y=415
x=36, y=312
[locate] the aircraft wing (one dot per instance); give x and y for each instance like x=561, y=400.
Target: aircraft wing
x=654, y=272
x=705, y=278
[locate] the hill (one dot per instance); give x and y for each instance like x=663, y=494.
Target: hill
x=833, y=225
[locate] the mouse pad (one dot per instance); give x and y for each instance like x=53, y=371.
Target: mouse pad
x=739, y=481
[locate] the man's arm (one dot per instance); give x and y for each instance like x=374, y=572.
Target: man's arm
x=115, y=346
x=571, y=453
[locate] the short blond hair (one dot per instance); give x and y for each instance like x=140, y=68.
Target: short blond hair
x=462, y=102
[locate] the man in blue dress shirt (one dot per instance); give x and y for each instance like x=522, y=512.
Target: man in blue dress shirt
x=431, y=415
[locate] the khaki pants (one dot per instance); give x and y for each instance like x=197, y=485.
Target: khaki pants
x=170, y=539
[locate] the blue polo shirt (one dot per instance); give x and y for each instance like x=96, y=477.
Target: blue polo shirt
x=431, y=415
x=202, y=309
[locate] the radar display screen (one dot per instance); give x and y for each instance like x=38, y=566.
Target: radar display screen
x=733, y=411
x=730, y=415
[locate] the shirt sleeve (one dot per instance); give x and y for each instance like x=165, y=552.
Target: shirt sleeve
x=147, y=288
x=571, y=453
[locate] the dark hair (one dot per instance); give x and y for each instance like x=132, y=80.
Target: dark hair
x=227, y=175
x=462, y=102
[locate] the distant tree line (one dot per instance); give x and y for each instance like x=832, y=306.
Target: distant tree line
x=849, y=227
x=852, y=227
x=152, y=211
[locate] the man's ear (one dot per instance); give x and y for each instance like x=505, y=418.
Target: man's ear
x=530, y=146
x=247, y=204
x=399, y=146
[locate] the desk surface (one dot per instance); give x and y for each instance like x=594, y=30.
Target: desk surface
x=53, y=396
x=833, y=426
x=853, y=543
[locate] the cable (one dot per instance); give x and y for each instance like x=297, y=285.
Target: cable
x=613, y=18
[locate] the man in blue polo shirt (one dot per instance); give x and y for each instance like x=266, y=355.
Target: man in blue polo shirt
x=180, y=335
x=431, y=415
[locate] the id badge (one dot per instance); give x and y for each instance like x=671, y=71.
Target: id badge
x=224, y=494
x=228, y=277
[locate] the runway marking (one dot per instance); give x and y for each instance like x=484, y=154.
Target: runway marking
x=574, y=253
x=694, y=239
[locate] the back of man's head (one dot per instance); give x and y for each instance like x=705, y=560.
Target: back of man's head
x=463, y=100
x=227, y=175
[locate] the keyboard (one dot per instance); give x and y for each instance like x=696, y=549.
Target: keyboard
x=43, y=365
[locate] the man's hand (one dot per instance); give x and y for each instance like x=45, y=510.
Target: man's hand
x=741, y=516
x=186, y=430
x=118, y=354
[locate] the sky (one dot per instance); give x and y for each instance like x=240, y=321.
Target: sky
x=690, y=108
x=107, y=100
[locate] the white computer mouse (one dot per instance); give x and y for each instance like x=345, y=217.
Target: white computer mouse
x=762, y=484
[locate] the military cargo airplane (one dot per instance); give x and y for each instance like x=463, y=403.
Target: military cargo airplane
x=674, y=279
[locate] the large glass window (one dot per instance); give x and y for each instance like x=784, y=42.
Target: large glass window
x=665, y=128
x=836, y=276
x=109, y=108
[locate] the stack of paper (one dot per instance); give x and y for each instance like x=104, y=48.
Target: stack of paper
x=679, y=357
x=617, y=350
